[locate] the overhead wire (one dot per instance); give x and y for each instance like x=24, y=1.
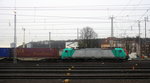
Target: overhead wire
x=71, y=17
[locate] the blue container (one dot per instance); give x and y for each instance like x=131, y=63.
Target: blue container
x=4, y=52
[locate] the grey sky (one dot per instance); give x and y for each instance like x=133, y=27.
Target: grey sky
x=63, y=17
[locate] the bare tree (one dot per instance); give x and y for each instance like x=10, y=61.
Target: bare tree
x=86, y=35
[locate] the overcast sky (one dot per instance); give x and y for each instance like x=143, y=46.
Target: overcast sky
x=63, y=17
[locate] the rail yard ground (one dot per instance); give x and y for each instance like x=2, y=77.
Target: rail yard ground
x=134, y=71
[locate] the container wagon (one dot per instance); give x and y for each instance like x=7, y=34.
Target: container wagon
x=37, y=53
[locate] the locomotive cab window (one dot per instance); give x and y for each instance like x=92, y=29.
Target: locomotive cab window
x=120, y=51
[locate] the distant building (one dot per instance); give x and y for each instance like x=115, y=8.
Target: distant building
x=12, y=45
x=111, y=42
x=71, y=45
x=45, y=44
x=145, y=48
x=29, y=45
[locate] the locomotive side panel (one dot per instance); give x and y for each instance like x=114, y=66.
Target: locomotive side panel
x=93, y=53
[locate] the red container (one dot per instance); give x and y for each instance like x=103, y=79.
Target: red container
x=37, y=52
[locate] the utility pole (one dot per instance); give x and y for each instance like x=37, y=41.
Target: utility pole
x=112, y=32
x=23, y=37
x=77, y=33
x=139, y=47
x=49, y=39
x=145, y=19
x=15, y=39
x=112, y=29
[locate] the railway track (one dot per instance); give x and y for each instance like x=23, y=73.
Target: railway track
x=111, y=76
x=61, y=72
x=76, y=67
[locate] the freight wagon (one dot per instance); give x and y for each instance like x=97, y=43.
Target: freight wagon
x=29, y=53
x=37, y=53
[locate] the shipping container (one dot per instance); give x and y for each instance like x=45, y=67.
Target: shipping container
x=4, y=52
x=37, y=52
